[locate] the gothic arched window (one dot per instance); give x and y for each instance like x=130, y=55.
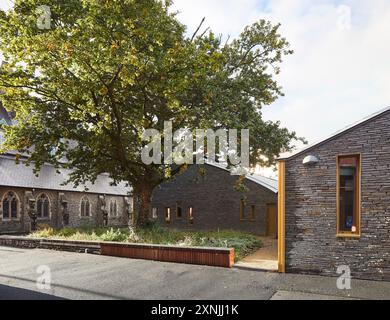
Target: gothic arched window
x=113, y=208
x=43, y=207
x=85, y=209
x=10, y=206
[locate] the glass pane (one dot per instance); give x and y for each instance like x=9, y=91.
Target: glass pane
x=5, y=209
x=82, y=208
x=347, y=193
x=87, y=208
x=14, y=208
x=179, y=214
x=39, y=208
x=46, y=208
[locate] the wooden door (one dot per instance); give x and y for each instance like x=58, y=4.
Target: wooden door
x=272, y=220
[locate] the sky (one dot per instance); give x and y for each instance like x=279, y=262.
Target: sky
x=339, y=72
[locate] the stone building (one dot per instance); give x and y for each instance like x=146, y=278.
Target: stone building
x=24, y=195
x=206, y=199
x=334, y=203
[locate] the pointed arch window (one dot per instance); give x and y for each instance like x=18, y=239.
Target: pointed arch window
x=10, y=206
x=85, y=209
x=43, y=207
x=113, y=208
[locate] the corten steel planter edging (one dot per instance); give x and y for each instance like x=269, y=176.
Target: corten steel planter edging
x=217, y=257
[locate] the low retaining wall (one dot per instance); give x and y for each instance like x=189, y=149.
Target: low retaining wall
x=60, y=245
x=217, y=257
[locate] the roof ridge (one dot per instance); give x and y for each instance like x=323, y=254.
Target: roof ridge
x=337, y=133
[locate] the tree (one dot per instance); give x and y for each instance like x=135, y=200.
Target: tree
x=86, y=88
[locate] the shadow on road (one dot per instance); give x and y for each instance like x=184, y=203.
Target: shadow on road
x=100, y=295
x=13, y=293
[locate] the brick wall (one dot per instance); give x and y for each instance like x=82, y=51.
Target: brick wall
x=216, y=205
x=311, y=242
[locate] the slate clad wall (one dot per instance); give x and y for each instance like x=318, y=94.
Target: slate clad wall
x=311, y=243
x=215, y=203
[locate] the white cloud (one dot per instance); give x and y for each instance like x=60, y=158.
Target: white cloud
x=339, y=71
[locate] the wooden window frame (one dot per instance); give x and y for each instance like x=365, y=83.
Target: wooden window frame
x=348, y=234
x=191, y=215
x=168, y=215
x=252, y=216
x=242, y=210
x=154, y=213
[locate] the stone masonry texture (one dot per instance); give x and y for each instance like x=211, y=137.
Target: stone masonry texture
x=311, y=243
x=23, y=223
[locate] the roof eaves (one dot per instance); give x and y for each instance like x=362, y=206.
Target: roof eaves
x=336, y=134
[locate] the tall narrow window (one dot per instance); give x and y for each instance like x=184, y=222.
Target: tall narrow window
x=179, y=213
x=253, y=212
x=242, y=209
x=154, y=213
x=85, y=209
x=167, y=215
x=10, y=206
x=43, y=207
x=191, y=215
x=348, y=195
x=113, y=208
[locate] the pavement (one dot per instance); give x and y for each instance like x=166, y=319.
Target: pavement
x=85, y=276
x=266, y=258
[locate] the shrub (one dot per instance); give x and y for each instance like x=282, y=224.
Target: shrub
x=114, y=235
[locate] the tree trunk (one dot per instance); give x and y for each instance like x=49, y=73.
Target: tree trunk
x=144, y=194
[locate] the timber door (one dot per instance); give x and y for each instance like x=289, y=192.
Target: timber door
x=272, y=220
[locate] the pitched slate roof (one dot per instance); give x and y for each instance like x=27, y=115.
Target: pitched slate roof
x=336, y=134
x=19, y=175
x=268, y=183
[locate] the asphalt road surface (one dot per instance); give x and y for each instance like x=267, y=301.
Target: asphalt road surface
x=85, y=276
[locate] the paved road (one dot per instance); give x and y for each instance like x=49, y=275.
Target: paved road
x=84, y=276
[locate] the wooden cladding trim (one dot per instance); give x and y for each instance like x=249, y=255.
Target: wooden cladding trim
x=189, y=255
x=281, y=218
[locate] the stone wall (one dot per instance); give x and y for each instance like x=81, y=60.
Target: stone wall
x=215, y=202
x=23, y=223
x=311, y=242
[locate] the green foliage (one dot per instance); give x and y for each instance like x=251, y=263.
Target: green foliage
x=87, y=88
x=243, y=243
x=114, y=235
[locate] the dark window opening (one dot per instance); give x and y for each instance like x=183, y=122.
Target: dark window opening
x=253, y=212
x=179, y=213
x=242, y=209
